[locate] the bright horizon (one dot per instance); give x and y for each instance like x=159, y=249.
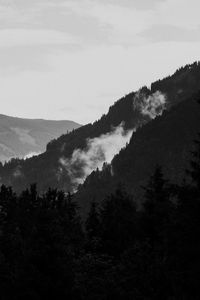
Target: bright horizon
x=71, y=60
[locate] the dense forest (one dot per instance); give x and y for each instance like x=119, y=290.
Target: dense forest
x=118, y=252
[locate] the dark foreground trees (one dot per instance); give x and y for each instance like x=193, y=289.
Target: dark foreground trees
x=119, y=253
x=40, y=237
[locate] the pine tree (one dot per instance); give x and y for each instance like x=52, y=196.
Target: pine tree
x=118, y=218
x=157, y=206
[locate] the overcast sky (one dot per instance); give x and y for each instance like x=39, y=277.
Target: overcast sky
x=71, y=59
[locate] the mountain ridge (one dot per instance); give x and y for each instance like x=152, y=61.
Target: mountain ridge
x=167, y=141
x=46, y=169
x=20, y=137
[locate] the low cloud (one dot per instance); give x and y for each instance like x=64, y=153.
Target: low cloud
x=102, y=149
x=152, y=105
x=171, y=33
x=31, y=154
x=31, y=37
x=98, y=151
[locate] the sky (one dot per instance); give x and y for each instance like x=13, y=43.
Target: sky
x=72, y=59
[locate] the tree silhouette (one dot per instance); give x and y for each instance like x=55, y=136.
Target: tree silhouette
x=93, y=222
x=157, y=206
x=117, y=219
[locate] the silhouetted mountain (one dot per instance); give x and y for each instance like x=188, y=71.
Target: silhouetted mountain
x=25, y=137
x=47, y=170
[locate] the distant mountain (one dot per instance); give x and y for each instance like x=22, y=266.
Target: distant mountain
x=26, y=137
x=135, y=111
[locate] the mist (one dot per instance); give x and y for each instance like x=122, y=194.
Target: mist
x=31, y=154
x=103, y=148
x=98, y=151
x=152, y=105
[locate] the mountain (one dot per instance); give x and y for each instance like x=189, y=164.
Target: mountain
x=167, y=141
x=135, y=112
x=25, y=137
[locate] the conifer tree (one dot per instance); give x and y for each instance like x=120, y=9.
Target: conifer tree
x=117, y=219
x=157, y=206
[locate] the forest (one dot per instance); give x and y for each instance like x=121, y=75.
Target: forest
x=119, y=251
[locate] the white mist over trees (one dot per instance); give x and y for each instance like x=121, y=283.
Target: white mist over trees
x=152, y=105
x=102, y=149
x=98, y=151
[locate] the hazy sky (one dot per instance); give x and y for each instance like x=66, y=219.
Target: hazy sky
x=71, y=59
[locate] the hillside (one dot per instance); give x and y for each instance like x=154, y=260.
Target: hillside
x=166, y=141
x=25, y=137
x=133, y=110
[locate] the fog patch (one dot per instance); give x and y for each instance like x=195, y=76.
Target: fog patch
x=31, y=154
x=98, y=151
x=152, y=105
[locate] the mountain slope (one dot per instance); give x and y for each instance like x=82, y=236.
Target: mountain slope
x=166, y=141
x=47, y=170
x=23, y=137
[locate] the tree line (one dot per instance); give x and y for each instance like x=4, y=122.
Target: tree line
x=118, y=252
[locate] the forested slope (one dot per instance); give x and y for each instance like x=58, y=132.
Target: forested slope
x=45, y=169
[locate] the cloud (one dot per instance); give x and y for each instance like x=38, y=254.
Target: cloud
x=55, y=16
x=152, y=105
x=116, y=22
x=12, y=15
x=31, y=49
x=30, y=37
x=166, y=32
x=103, y=148
x=120, y=22
x=98, y=151
x=19, y=58
x=79, y=78
x=76, y=53
x=138, y=4
x=179, y=13
x=31, y=154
